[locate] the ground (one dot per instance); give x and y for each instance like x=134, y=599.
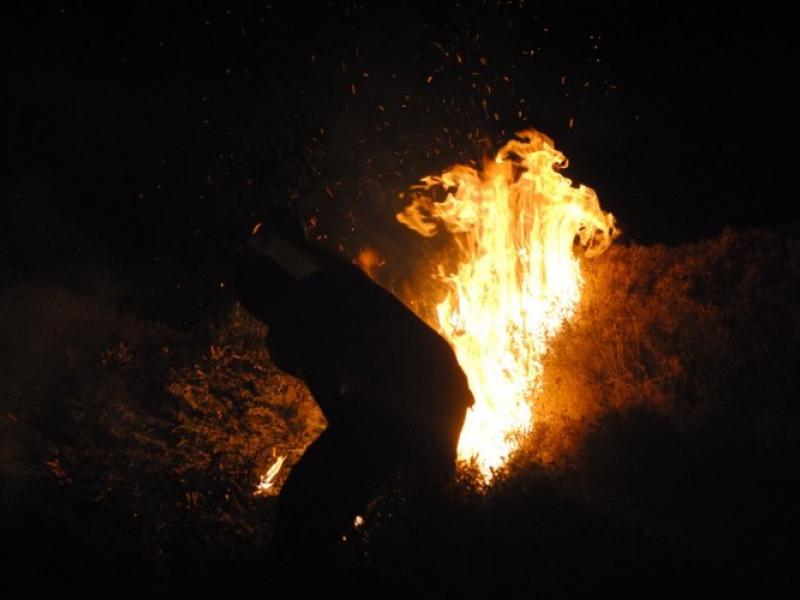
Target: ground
x=664, y=453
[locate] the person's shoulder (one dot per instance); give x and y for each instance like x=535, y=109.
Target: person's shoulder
x=339, y=274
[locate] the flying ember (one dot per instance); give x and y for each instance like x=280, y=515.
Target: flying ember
x=517, y=231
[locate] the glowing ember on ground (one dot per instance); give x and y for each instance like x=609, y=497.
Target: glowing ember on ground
x=518, y=228
x=267, y=481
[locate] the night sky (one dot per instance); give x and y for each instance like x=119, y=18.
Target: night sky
x=129, y=132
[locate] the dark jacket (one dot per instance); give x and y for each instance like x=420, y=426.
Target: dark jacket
x=367, y=359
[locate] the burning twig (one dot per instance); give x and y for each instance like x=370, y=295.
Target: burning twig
x=267, y=481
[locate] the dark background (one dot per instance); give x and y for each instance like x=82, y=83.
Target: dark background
x=135, y=135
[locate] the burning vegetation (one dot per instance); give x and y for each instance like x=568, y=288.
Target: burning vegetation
x=515, y=226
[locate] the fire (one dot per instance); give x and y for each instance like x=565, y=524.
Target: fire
x=518, y=229
x=267, y=480
x=369, y=261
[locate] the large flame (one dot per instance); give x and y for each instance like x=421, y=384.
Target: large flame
x=518, y=228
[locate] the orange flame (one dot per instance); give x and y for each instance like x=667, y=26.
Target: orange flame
x=518, y=227
x=370, y=261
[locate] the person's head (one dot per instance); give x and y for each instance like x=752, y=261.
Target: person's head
x=282, y=237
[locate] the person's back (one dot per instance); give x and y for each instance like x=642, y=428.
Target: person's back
x=384, y=360
x=389, y=385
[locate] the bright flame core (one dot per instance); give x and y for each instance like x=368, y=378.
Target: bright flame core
x=267, y=480
x=516, y=226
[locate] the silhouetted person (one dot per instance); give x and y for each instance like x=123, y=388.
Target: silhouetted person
x=389, y=386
